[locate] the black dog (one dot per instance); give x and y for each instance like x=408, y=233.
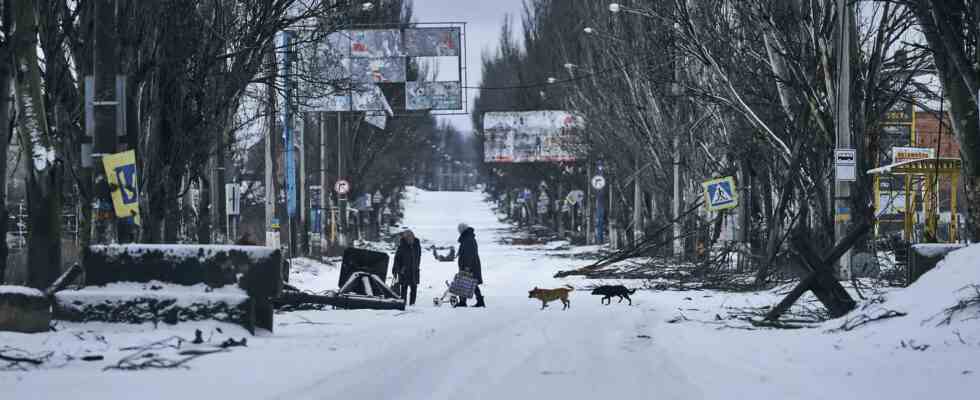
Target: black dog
x=607, y=292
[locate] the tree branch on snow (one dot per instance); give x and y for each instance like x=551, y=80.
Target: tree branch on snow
x=962, y=305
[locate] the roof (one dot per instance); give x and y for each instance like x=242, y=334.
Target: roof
x=921, y=166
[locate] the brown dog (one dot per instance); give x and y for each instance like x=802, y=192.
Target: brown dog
x=546, y=295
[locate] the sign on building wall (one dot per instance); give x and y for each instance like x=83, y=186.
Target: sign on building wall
x=903, y=154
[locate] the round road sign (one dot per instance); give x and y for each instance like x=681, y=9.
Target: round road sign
x=598, y=182
x=341, y=187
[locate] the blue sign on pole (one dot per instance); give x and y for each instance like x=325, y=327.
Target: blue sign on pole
x=316, y=215
x=284, y=45
x=720, y=194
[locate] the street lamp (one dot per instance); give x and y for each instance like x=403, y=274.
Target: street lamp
x=589, y=30
x=552, y=80
x=614, y=7
x=367, y=6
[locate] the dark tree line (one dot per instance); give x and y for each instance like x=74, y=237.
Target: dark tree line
x=719, y=88
x=201, y=83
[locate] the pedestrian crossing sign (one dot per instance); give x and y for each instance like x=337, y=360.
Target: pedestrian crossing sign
x=720, y=194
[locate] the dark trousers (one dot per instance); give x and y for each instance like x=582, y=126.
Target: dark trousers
x=479, y=298
x=405, y=289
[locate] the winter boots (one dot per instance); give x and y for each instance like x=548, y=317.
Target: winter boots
x=479, y=302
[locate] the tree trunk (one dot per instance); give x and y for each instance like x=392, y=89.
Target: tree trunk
x=43, y=177
x=204, y=212
x=957, y=76
x=6, y=71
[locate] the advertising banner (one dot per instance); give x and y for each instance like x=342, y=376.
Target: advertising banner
x=531, y=136
x=433, y=95
x=120, y=172
x=432, y=42
x=376, y=43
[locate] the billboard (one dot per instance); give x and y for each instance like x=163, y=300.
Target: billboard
x=369, y=97
x=376, y=43
x=432, y=42
x=433, y=95
x=377, y=69
x=377, y=64
x=531, y=136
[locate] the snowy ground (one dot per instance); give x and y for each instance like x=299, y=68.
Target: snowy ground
x=513, y=350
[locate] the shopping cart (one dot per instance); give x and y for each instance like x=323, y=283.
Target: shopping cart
x=462, y=286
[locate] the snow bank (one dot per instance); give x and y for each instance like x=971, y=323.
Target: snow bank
x=185, y=296
x=184, y=251
x=22, y=290
x=941, y=287
x=935, y=249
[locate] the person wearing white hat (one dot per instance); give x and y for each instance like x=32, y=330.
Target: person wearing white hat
x=468, y=259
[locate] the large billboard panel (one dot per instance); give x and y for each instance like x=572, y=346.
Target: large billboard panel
x=432, y=42
x=332, y=103
x=433, y=95
x=376, y=43
x=531, y=136
x=377, y=69
x=378, y=62
x=369, y=97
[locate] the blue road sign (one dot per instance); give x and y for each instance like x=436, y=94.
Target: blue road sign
x=720, y=194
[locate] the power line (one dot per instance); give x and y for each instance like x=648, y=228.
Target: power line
x=563, y=81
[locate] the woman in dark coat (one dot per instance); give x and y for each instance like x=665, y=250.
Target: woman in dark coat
x=406, y=265
x=468, y=259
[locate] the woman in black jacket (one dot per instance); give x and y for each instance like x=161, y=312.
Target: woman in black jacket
x=406, y=265
x=468, y=259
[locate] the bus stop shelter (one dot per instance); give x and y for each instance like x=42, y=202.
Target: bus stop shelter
x=926, y=174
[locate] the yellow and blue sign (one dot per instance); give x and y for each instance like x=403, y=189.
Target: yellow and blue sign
x=720, y=194
x=120, y=172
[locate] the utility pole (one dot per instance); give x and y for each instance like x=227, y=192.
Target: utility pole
x=842, y=192
x=589, y=232
x=676, y=204
x=341, y=199
x=104, y=111
x=324, y=191
x=637, y=206
x=271, y=194
x=304, y=208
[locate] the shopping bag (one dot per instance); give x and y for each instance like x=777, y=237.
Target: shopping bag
x=463, y=285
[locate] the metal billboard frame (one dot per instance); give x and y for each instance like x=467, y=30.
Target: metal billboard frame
x=462, y=70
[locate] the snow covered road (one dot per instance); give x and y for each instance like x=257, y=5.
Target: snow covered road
x=511, y=349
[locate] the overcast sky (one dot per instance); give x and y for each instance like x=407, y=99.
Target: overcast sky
x=483, y=19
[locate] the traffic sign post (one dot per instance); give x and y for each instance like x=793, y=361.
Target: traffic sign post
x=720, y=194
x=845, y=163
x=342, y=187
x=598, y=182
